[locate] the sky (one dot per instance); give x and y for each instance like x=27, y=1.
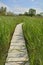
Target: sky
x=21, y=6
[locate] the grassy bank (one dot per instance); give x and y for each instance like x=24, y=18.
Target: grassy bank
x=33, y=33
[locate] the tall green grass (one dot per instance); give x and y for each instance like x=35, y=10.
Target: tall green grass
x=33, y=33
x=7, y=26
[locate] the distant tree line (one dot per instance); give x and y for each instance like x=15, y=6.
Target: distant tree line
x=31, y=12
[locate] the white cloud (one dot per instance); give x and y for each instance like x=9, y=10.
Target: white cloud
x=20, y=10
x=17, y=9
x=38, y=10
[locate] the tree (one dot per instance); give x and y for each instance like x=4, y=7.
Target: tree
x=41, y=13
x=26, y=14
x=20, y=14
x=32, y=12
x=38, y=15
x=3, y=10
x=10, y=13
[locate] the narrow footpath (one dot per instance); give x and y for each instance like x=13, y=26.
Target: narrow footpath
x=17, y=54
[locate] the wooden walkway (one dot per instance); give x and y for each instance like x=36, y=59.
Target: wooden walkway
x=17, y=54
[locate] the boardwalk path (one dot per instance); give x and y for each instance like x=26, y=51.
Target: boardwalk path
x=17, y=54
